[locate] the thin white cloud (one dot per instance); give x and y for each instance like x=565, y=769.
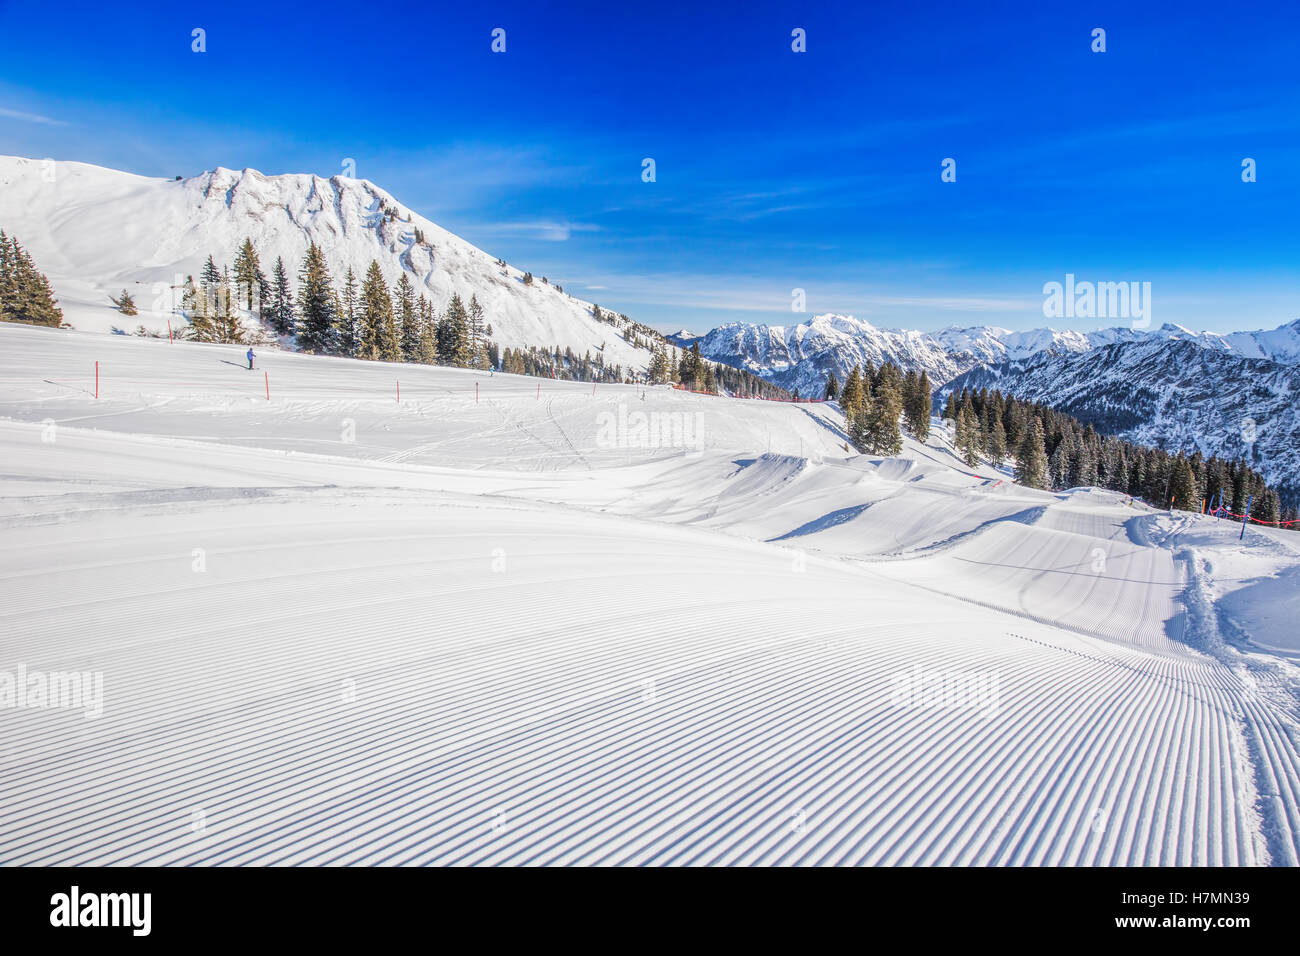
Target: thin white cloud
x=748, y=294
x=30, y=117
x=956, y=303
x=544, y=229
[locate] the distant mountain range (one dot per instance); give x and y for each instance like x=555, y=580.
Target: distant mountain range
x=1168, y=387
x=1170, y=393
x=804, y=356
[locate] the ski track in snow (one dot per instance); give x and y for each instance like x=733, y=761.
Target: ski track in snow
x=473, y=634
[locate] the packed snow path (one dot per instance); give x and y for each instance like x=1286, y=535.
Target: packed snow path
x=333, y=628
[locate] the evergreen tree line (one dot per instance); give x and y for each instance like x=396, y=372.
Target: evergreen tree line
x=878, y=403
x=665, y=367
x=1054, y=451
x=363, y=319
x=564, y=365
x=25, y=292
x=691, y=370
x=695, y=373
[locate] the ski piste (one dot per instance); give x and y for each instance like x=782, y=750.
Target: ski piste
x=333, y=627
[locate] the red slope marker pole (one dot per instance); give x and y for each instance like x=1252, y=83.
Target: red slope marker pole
x=169, y=332
x=267, y=375
x=97, y=378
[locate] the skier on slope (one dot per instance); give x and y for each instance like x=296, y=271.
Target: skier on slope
x=250, y=358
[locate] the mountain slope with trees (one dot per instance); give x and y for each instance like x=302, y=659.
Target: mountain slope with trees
x=1172, y=395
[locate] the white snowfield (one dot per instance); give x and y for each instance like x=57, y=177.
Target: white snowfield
x=333, y=628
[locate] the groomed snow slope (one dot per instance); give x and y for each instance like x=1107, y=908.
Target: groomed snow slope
x=500, y=631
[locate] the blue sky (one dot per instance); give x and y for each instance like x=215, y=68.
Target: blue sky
x=775, y=170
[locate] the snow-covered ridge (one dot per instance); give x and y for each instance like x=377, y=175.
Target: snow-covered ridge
x=1174, y=393
x=803, y=356
x=95, y=231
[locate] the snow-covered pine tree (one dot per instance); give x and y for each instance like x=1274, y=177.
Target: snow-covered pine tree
x=1197, y=461
x=1074, y=456
x=856, y=421
x=916, y=404
x=1013, y=420
x=1216, y=478
x=1182, y=486
x=950, y=407
x=1058, y=465
x=883, y=436
x=25, y=292
x=1265, y=506
x=408, y=319
x=124, y=303
x=1136, y=477
x=349, y=333
x=263, y=294
x=316, y=326
x=660, y=370
x=1088, y=461
x=477, y=346
x=967, y=436
x=249, y=280
x=1110, y=465
x=8, y=266
x=853, y=392
x=832, y=388
x=377, y=328
x=1031, y=457
x=428, y=333
x=226, y=314
x=198, y=303
x=1159, y=476
x=890, y=375
x=689, y=368
x=281, y=315
x=997, y=441
x=982, y=423
x=211, y=275
x=1240, y=487
x=453, y=334
x=972, y=419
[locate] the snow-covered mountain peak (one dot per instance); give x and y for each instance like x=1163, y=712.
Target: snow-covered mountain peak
x=96, y=231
